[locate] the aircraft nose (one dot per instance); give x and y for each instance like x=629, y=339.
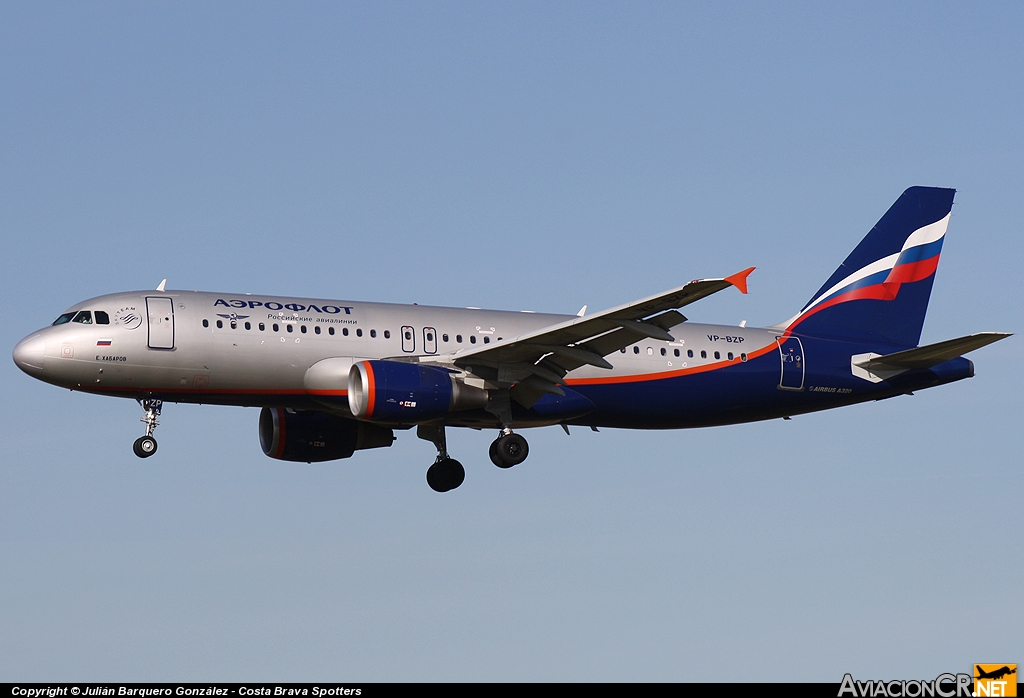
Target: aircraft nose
x=29, y=354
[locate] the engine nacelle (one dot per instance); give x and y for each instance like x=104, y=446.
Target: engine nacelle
x=312, y=437
x=401, y=393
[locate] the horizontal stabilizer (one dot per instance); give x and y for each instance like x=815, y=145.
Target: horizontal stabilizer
x=932, y=354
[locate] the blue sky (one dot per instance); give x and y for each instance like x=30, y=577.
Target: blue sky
x=525, y=156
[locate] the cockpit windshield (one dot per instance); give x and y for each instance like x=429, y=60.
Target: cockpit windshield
x=84, y=317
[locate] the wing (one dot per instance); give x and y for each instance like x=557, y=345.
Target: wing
x=536, y=362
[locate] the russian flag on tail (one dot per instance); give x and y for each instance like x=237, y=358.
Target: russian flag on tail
x=890, y=273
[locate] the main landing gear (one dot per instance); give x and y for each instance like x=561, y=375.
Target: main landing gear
x=508, y=449
x=145, y=446
x=446, y=473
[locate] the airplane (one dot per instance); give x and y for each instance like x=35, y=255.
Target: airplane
x=334, y=377
x=996, y=674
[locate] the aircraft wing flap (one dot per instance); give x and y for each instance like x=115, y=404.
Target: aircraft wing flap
x=605, y=332
x=933, y=354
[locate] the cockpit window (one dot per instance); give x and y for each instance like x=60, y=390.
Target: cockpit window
x=102, y=318
x=66, y=317
x=84, y=317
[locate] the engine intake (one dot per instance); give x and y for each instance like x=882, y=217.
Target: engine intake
x=313, y=437
x=401, y=393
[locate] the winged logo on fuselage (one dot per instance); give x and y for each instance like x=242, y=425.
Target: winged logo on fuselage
x=128, y=317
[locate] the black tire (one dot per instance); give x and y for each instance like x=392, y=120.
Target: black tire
x=454, y=473
x=445, y=475
x=435, y=478
x=511, y=450
x=495, y=458
x=144, y=446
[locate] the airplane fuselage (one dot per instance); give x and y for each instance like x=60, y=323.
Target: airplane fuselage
x=239, y=349
x=333, y=377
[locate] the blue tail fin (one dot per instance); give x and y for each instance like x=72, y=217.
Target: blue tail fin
x=881, y=291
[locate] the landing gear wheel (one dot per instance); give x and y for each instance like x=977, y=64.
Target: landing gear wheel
x=446, y=474
x=509, y=450
x=144, y=446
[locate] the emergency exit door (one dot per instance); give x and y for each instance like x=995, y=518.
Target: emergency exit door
x=160, y=312
x=429, y=340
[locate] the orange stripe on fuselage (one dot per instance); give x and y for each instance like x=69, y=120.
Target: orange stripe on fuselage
x=213, y=391
x=661, y=375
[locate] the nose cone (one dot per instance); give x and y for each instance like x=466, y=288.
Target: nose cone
x=29, y=354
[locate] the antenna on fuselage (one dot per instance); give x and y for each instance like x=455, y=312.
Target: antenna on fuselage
x=583, y=311
x=160, y=288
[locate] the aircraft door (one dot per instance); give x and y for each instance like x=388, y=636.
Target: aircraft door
x=429, y=340
x=161, y=322
x=408, y=339
x=793, y=369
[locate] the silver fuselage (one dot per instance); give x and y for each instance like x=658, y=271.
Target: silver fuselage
x=240, y=349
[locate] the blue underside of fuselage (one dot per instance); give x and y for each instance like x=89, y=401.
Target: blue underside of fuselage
x=734, y=393
x=749, y=391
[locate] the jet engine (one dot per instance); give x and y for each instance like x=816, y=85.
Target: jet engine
x=316, y=436
x=401, y=393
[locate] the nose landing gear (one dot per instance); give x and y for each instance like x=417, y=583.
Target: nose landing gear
x=145, y=446
x=508, y=449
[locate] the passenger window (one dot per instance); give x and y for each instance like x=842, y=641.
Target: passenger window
x=288, y=327
x=703, y=354
x=636, y=350
x=458, y=338
x=373, y=334
x=248, y=326
x=472, y=339
x=344, y=331
x=387, y=334
x=663, y=351
x=330, y=331
x=359, y=332
x=623, y=350
x=676, y=352
x=730, y=356
x=444, y=338
x=84, y=317
x=262, y=327
x=66, y=317
x=316, y=329
x=234, y=325
x=743, y=357
x=650, y=351
x=689, y=353
x=277, y=327
x=220, y=324
x=487, y=340
x=206, y=323
x=302, y=329
x=718, y=355
x=102, y=318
